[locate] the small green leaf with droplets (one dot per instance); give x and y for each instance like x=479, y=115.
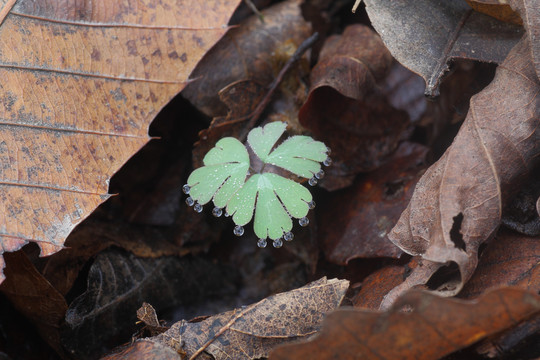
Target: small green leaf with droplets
x=272, y=199
x=224, y=172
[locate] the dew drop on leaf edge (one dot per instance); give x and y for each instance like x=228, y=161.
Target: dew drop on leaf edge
x=278, y=243
x=186, y=189
x=303, y=221
x=327, y=162
x=312, y=181
x=311, y=205
x=238, y=230
x=261, y=243
x=198, y=208
x=190, y=201
x=217, y=212
x=320, y=174
x=288, y=236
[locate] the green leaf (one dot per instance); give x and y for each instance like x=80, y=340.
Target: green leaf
x=224, y=173
x=272, y=199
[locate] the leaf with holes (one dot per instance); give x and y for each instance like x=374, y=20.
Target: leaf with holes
x=274, y=199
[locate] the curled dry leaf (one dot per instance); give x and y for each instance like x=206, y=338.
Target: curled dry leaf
x=530, y=14
x=457, y=204
x=75, y=110
x=346, y=107
x=425, y=35
x=252, y=331
x=429, y=328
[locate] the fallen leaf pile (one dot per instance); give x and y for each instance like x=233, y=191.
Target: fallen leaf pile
x=424, y=230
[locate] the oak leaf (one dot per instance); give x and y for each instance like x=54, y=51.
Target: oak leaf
x=80, y=85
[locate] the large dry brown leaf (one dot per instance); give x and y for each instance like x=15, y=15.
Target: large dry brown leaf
x=81, y=82
x=251, y=332
x=425, y=35
x=429, y=328
x=457, y=204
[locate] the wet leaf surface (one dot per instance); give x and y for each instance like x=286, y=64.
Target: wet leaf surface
x=252, y=331
x=415, y=322
x=457, y=204
x=75, y=110
x=119, y=282
x=426, y=35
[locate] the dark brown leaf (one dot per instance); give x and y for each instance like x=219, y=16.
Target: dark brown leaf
x=429, y=328
x=118, y=283
x=457, y=204
x=35, y=297
x=425, y=35
x=247, y=53
x=346, y=107
x=147, y=314
x=251, y=332
x=363, y=214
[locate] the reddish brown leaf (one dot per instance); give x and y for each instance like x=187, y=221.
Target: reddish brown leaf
x=346, y=108
x=35, y=297
x=81, y=83
x=457, y=204
x=363, y=214
x=429, y=328
x=251, y=332
x=497, y=9
x=425, y=35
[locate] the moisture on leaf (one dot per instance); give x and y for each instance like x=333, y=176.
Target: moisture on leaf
x=271, y=198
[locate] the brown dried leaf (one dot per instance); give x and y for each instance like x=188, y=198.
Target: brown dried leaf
x=425, y=35
x=118, y=283
x=363, y=214
x=147, y=314
x=530, y=13
x=500, y=10
x=251, y=332
x=248, y=52
x=144, y=350
x=347, y=107
x=457, y=204
x=35, y=297
x=80, y=85
x=429, y=328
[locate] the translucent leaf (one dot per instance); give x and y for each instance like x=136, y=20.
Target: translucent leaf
x=274, y=199
x=262, y=139
x=224, y=173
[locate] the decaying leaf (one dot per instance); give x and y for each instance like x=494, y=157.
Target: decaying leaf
x=457, y=204
x=498, y=9
x=363, y=214
x=118, y=283
x=144, y=350
x=530, y=14
x=80, y=85
x=425, y=35
x=251, y=332
x=247, y=53
x=347, y=107
x=419, y=325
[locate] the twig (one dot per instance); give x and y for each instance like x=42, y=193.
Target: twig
x=274, y=85
x=355, y=6
x=253, y=8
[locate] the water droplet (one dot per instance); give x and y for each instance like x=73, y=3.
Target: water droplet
x=217, y=212
x=238, y=230
x=328, y=150
x=190, y=201
x=186, y=189
x=226, y=214
x=288, y=236
x=327, y=162
x=198, y=208
x=312, y=181
x=278, y=243
x=303, y=221
x=261, y=243
x=320, y=174
x=311, y=205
